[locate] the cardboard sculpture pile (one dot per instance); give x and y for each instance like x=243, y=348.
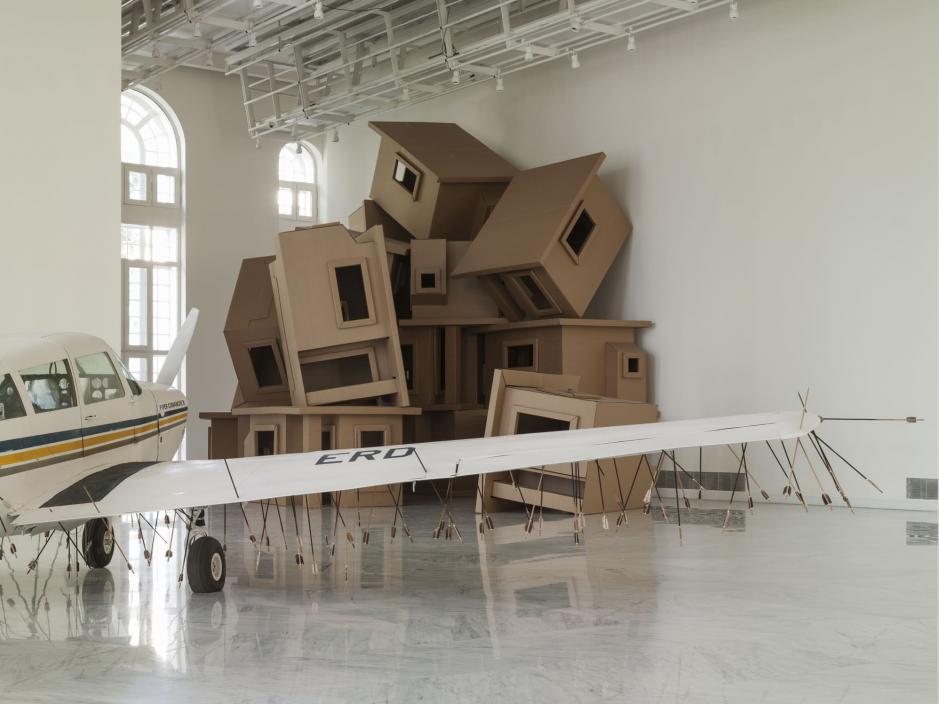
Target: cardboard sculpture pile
x=398, y=328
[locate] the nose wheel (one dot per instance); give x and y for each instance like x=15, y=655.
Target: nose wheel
x=98, y=542
x=205, y=565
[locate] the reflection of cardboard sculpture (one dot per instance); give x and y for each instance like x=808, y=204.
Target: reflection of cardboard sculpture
x=549, y=241
x=436, y=179
x=527, y=402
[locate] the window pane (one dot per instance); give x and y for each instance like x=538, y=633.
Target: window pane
x=136, y=306
x=138, y=366
x=285, y=201
x=49, y=386
x=165, y=307
x=11, y=405
x=163, y=242
x=130, y=146
x=136, y=185
x=166, y=188
x=97, y=378
x=298, y=168
x=305, y=204
x=158, y=360
x=134, y=242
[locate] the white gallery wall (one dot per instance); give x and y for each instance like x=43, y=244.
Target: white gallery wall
x=781, y=174
x=231, y=214
x=60, y=189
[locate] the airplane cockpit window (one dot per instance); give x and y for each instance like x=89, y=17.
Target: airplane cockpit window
x=11, y=405
x=131, y=381
x=97, y=378
x=49, y=386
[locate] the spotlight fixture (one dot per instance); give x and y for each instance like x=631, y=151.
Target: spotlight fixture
x=734, y=10
x=155, y=52
x=299, y=148
x=529, y=53
x=335, y=137
x=252, y=39
x=197, y=30
x=630, y=40
x=318, y=10
x=455, y=78
x=500, y=84
x=576, y=23
x=406, y=93
x=209, y=60
x=575, y=61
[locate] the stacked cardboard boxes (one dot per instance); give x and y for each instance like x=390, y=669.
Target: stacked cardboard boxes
x=459, y=265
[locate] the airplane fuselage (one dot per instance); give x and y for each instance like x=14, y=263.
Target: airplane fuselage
x=69, y=409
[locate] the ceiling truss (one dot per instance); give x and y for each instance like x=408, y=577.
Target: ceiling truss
x=308, y=67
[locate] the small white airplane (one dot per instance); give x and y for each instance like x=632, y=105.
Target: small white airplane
x=82, y=441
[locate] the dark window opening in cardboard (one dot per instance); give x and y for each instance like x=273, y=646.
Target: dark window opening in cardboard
x=428, y=281
x=335, y=373
x=520, y=356
x=371, y=438
x=440, y=341
x=264, y=443
x=407, y=358
x=632, y=365
x=580, y=232
x=405, y=176
x=266, y=369
x=350, y=283
x=326, y=440
x=532, y=423
x=538, y=298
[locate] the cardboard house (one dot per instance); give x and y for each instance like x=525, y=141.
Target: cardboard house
x=436, y=179
x=603, y=354
x=340, y=332
x=253, y=336
x=398, y=247
x=528, y=402
x=549, y=242
x=252, y=431
x=437, y=295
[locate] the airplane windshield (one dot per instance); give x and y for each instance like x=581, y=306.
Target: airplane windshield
x=97, y=379
x=49, y=386
x=11, y=405
x=131, y=381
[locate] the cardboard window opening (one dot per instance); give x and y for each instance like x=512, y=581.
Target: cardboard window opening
x=440, y=344
x=579, y=233
x=265, y=440
x=265, y=362
x=323, y=374
x=406, y=176
x=537, y=423
x=535, y=294
x=370, y=436
x=521, y=355
x=350, y=283
x=428, y=280
x=327, y=437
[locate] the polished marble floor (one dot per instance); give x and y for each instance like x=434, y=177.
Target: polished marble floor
x=783, y=606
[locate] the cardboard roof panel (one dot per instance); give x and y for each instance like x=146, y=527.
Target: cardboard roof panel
x=447, y=150
x=252, y=301
x=529, y=218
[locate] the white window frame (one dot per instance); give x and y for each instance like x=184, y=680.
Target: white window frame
x=288, y=222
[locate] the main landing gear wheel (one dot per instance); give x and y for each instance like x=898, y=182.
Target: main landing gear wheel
x=205, y=566
x=98, y=542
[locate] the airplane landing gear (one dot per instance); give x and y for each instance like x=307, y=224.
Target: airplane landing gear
x=205, y=565
x=98, y=542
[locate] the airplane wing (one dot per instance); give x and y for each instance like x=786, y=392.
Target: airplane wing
x=144, y=487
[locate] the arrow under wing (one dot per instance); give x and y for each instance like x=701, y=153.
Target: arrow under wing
x=124, y=489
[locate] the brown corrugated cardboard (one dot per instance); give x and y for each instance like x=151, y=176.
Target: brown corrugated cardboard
x=461, y=299
x=253, y=336
x=575, y=346
x=436, y=179
x=531, y=402
x=337, y=315
x=549, y=241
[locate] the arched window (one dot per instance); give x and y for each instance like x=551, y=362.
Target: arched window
x=296, y=191
x=151, y=233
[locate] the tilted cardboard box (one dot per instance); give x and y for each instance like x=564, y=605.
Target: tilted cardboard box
x=253, y=336
x=334, y=303
x=549, y=241
x=436, y=179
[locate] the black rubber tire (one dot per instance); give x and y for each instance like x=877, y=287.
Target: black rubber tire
x=98, y=543
x=205, y=565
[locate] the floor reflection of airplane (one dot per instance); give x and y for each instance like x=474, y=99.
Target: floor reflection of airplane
x=82, y=441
